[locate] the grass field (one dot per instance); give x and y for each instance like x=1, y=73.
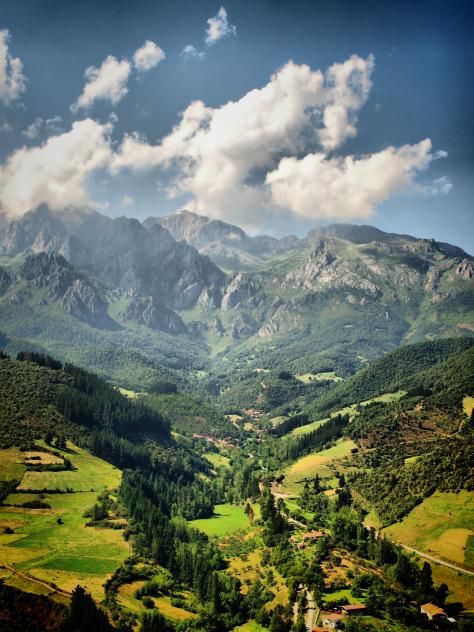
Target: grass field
x=128, y=393
x=308, y=428
x=322, y=463
x=69, y=553
x=92, y=474
x=126, y=597
x=468, y=405
x=166, y=608
x=276, y=421
x=461, y=587
x=251, y=626
x=307, y=378
x=441, y=526
x=386, y=398
x=12, y=465
x=227, y=519
x=216, y=459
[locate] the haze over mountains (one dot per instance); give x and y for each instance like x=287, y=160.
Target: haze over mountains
x=220, y=288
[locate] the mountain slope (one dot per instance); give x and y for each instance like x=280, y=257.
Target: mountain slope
x=227, y=245
x=338, y=299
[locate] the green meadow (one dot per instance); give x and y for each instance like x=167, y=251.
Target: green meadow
x=227, y=520
x=442, y=526
x=53, y=544
x=323, y=463
x=306, y=378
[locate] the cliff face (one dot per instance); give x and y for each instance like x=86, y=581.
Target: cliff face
x=80, y=258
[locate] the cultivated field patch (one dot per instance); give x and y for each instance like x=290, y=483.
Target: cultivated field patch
x=468, y=405
x=307, y=378
x=441, y=526
x=323, y=463
x=52, y=543
x=227, y=519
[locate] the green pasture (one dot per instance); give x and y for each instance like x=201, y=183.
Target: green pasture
x=323, y=463
x=307, y=378
x=53, y=544
x=442, y=525
x=227, y=520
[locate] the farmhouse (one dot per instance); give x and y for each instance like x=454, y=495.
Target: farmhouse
x=332, y=621
x=432, y=611
x=353, y=609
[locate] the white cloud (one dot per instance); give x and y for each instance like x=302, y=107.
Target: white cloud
x=217, y=150
x=107, y=83
x=127, y=201
x=5, y=127
x=347, y=89
x=269, y=152
x=219, y=27
x=345, y=188
x=12, y=79
x=54, y=124
x=190, y=51
x=148, y=56
x=55, y=173
x=32, y=131
x=439, y=186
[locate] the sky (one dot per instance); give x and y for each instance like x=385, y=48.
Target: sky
x=276, y=116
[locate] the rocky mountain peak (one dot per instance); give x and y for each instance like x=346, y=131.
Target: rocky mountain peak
x=74, y=293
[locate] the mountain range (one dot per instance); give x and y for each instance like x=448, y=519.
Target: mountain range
x=343, y=294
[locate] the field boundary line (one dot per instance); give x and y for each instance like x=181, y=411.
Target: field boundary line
x=436, y=560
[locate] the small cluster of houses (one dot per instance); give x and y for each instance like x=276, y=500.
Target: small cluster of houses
x=227, y=442
x=309, y=536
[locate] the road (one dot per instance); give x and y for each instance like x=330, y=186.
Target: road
x=310, y=610
x=437, y=561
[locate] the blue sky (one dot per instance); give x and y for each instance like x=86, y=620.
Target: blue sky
x=418, y=86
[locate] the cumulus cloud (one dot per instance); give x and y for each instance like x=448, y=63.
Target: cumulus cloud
x=219, y=27
x=12, y=79
x=55, y=173
x=107, y=83
x=272, y=151
x=347, y=89
x=148, y=56
x=32, y=131
x=217, y=150
x=191, y=51
x=345, y=188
